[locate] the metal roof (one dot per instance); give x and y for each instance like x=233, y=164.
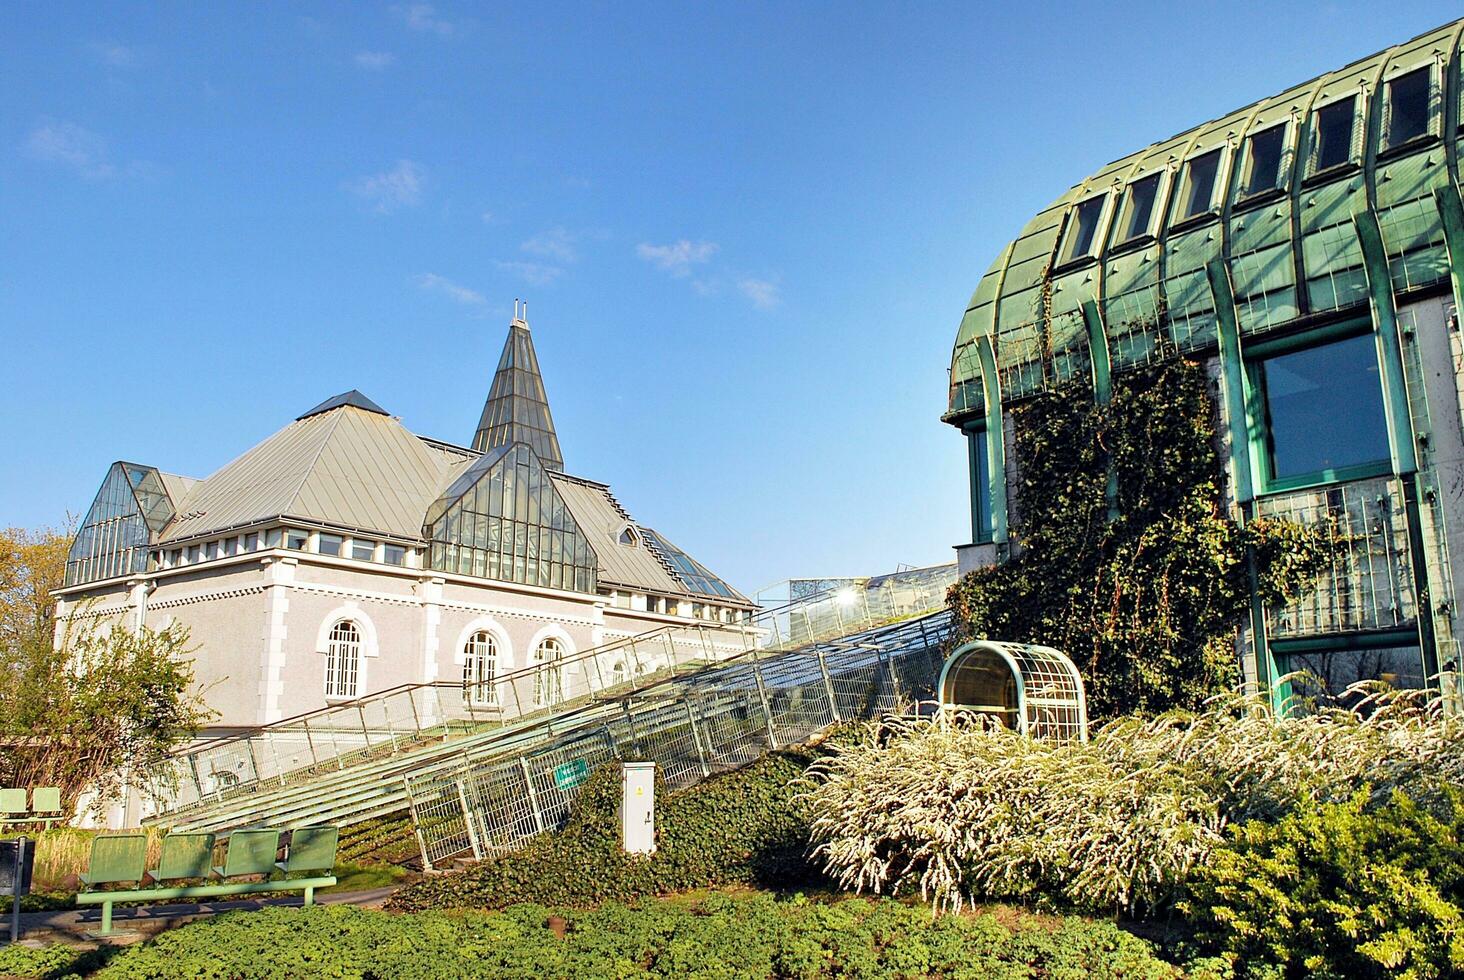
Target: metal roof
x=601, y=519
x=346, y=466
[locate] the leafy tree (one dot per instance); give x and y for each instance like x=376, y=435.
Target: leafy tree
x=1146, y=600
x=32, y=566
x=95, y=709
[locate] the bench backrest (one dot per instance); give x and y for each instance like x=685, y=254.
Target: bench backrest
x=251, y=852
x=185, y=856
x=313, y=849
x=117, y=857
x=12, y=801
x=46, y=799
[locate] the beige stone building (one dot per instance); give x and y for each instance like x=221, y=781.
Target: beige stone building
x=345, y=555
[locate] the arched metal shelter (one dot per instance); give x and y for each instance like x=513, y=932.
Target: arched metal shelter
x=1035, y=690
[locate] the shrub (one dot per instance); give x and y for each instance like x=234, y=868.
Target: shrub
x=744, y=826
x=1339, y=890
x=720, y=936
x=1118, y=823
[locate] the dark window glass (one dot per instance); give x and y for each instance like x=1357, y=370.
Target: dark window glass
x=1083, y=228
x=362, y=550
x=1324, y=408
x=251, y=541
x=1264, y=160
x=296, y=540
x=329, y=544
x=1139, y=206
x=226, y=547
x=1334, y=134
x=1408, y=106
x=1199, y=183
x=980, y=487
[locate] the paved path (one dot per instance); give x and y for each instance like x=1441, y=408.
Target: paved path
x=76, y=926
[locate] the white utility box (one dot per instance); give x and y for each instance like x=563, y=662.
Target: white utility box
x=638, y=807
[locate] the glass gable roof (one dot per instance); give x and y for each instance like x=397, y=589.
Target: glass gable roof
x=129, y=509
x=692, y=573
x=503, y=519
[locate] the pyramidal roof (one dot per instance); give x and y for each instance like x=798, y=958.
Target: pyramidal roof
x=353, y=398
x=348, y=465
x=517, y=409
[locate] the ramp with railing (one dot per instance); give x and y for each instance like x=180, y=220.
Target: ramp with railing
x=715, y=720
x=350, y=762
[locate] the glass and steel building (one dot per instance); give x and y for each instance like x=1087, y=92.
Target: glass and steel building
x=345, y=554
x=1304, y=248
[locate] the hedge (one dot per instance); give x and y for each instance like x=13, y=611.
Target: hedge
x=741, y=827
x=721, y=936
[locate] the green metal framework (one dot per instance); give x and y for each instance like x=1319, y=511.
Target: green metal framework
x=1328, y=207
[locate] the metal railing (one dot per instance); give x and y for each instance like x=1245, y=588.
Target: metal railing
x=718, y=719
x=1369, y=582
x=406, y=718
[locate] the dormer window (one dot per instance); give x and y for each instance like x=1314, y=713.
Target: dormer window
x=1082, y=230
x=628, y=537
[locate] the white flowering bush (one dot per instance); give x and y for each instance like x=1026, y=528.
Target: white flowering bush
x=967, y=810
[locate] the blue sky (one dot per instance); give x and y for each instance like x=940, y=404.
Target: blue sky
x=747, y=232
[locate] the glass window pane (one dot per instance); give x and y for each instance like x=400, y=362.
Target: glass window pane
x=1139, y=206
x=330, y=544
x=1324, y=408
x=362, y=549
x=1082, y=229
x=296, y=540
x=1199, y=183
x=1408, y=106
x=1263, y=158
x=1334, y=134
x=980, y=487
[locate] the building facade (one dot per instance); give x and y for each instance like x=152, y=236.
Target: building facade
x=1309, y=250
x=344, y=555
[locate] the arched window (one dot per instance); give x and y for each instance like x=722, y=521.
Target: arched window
x=549, y=678
x=618, y=674
x=480, y=661
x=342, y=660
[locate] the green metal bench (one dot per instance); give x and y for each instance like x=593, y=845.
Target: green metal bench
x=44, y=808
x=121, y=859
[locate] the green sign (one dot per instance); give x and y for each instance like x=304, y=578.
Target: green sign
x=571, y=774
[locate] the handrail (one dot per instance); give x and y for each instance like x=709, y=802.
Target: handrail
x=402, y=717
x=575, y=658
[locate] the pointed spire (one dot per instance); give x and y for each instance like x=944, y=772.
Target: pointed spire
x=517, y=409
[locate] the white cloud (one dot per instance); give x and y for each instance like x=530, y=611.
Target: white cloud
x=374, y=60
x=114, y=54
x=423, y=17
x=72, y=147
x=489, y=217
x=434, y=283
x=399, y=187
x=556, y=243
x=677, y=258
x=533, y=273
x=763, y=293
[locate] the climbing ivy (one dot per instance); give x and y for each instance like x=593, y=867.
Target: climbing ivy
x=1146, y=600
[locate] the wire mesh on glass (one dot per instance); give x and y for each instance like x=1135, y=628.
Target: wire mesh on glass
x=1368, y=584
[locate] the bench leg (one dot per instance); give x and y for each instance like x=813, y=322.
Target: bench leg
x=106, y=918
x=310, y=895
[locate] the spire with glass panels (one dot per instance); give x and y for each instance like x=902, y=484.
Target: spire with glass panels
x=517, y=409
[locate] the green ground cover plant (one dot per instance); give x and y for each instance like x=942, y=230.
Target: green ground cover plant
x=1145, y=590
x=721, y=936
x=741, y=827
x=960, y=813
